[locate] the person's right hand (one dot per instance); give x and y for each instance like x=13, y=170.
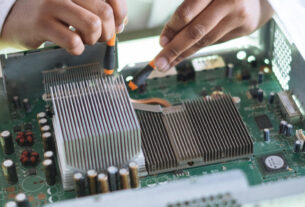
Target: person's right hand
x=32, y=22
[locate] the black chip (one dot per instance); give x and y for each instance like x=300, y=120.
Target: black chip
x=218, y=88
x=263, y=122
x=28, y=126
x=245, y=75
x=254, y=92
x=204, y=93
x=17, y=128
x=273, y=163
x=32, y=171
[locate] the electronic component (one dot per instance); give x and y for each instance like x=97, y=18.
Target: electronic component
x=260, y=95
x=42, y=122
x=49, y=155
x=79, y=184
x=260, y=77
x=16, y=102
x=48, y=167
x=48, y=141
x=11, y=204
x=7, y=142
x=41, y=115
x=266, y=135
x=208, y=63
x=92, y=181
x=17, y=128
x=29, y=157
x=134, y=175
x=45, y=128
x=254, y=91
x=113, y=178
x=229, y=70
x=263, y=122
x=9, y=171
x=25, y=138
x=297, y=146
x=27, y=126
x=301, y=137
x=245, y=75
x=288, y=107
x=124, y=179
x=282, y=127
x=288, y=131
x=49, y=111
x=273, y=163
x=26, y=105
x=103, y=183
x=22, y=200
x=271, y=97
x=32, y=171
x=176, y=129
x=185, y=71
x=96, y=144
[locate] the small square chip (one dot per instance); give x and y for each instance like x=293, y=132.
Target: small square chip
x=263, y=122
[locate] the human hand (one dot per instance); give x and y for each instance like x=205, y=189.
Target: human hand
x=32, y=22
x=199, y=23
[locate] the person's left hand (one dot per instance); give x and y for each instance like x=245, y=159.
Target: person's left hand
x=199, y=23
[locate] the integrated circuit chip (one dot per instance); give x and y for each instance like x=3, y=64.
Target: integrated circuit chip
x=263, y=122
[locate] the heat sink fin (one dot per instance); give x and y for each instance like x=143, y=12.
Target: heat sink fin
x=198, y=132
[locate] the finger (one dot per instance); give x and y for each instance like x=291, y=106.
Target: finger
x=185, y=13
x=120, y=13
x=104, y=11
x=201, y=26
x=85, y=22
x=225, y=27
x=63, y=37
x=236, y=33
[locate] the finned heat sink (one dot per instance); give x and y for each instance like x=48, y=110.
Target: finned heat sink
x=198, y=132
x=95, y=125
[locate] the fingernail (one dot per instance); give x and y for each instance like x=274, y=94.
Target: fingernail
x=121, y=28
x=125, y=22
x=164, y=40
x=162, y=64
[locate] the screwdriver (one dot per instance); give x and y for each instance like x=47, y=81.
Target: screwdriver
x=109, y=59
x=141, y=76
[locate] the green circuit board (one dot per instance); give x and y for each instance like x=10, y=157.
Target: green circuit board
x=39, y=193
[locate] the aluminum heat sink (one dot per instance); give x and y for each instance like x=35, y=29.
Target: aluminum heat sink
x=95, y=125
x=198, y=132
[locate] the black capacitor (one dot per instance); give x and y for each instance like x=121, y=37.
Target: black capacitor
x=50, y=155
x=16, y=102
x=113, y=178
x=260, y=95
x=92, y=181
x=288, y=130
x=266, y=135
x=41, y=115
x=260, y=77
x=48, y=141
x=45, y=128
x=229, y=70
x=11, y=204
x=22, y=200
x=48, y=167
x=79, y=184
x=9, y=171
x=7, y=142
x=297, y=146
x=271, y=97
x=49, y=111
x=26, y=105
x=282, y=127
x=42, y=122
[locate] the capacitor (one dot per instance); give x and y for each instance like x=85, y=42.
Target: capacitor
x=297, y=146
x=50, y=155
x=229, y=70
x=103, y=183
x=48, y=167
x=288, y=130
x=45, y=128
x=42, y=122
x=41, y=115
x=22, y=200
x=48, y=110
x=79, y=184
x=282, y=127
x=271, y=97
x=260, y=95
x=9, y=171
x=16, y=102
x=7, y=142
x=124, y=179
x=47, y=140
x=113, y=178
x=92, y=181
x=134, y=175
x=266, y=135
x=260, y=77
x=11, y=204
x=26, y=105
